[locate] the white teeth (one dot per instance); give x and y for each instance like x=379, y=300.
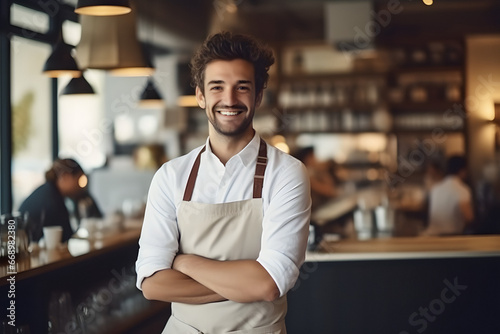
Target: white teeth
x=229, y=113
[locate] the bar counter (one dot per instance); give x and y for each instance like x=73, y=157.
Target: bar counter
x=407, y=248
x=76, y=250
x=399, y=285
x=96, y=278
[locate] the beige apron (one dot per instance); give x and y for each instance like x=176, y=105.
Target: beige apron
x=227, y=231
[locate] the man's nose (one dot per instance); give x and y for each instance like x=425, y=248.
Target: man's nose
x=230, y=97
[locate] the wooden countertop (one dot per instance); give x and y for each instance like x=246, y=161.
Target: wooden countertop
x=407, y=248
x=77, y=249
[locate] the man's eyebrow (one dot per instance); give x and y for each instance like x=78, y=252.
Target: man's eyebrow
x=215, y=82
x=218, y=82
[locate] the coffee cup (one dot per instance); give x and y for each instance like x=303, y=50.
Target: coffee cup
x=52, y=236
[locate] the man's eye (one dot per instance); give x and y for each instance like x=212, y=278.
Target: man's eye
x=216, y=88
x=244, y=88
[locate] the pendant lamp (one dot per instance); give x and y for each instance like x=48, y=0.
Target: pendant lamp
x=78, y=86
x=150, y=97
x=61, y=62
x=102, y=7
x=110, y=43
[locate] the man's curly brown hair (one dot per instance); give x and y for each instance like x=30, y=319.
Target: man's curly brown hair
x=228, y=46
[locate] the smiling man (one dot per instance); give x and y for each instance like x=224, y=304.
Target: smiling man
x=226, y=225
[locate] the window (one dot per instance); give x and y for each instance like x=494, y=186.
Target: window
x=83, y=130
x=31, y=117
x=30, y=19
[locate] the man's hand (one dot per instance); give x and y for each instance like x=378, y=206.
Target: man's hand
x=241, y=281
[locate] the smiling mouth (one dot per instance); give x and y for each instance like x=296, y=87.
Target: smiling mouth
x=229, y=113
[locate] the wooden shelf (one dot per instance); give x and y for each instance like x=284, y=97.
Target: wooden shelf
x=424, y=131
x=333, y=76
x=427, y=69
x=286, y=132
x=354, y=107
x=432, y=106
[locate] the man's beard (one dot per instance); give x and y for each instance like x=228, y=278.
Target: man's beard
x=247, y=122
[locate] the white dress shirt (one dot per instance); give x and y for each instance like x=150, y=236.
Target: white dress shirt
x=285, y=198
x=445, y=216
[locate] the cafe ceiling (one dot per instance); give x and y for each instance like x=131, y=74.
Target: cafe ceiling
x=298, y=21
x=292, y=21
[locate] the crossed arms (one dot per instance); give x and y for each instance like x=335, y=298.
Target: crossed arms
x=197, y=280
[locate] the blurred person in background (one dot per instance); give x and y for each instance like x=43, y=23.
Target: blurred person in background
x=47, y=206
x=434, y=174
x=450, y=201
x=323, y=185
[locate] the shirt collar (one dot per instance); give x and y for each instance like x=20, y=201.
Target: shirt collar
x=247, y=155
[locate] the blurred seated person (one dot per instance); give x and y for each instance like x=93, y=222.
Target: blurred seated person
x=450, y=202
x=46, y=205
x=322, y=181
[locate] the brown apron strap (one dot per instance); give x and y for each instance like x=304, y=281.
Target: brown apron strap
x=192, y=177
x=258, y=181
x=260, y=169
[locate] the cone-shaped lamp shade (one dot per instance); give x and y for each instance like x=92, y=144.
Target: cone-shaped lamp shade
x=78, y=86
x=61, y=62
x=102, y=7
x=110, y=43
x=150, y=97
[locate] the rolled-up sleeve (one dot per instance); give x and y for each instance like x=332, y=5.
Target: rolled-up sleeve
x=286, y=226
x=158, y=243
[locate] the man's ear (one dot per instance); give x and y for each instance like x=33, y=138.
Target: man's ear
x=258, y=98
x=200, y=98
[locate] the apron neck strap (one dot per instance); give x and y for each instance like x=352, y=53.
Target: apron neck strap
x=260, y=169
x=192, y=177
x=258, y=181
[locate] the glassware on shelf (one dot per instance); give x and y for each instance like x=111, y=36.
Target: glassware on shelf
x=16, y=223
x=347, y=120
x=382, y=120
x=453, y=54
x=341, y=95
x=61, y=313
x=418, y=93
x=436, y=53
x=372, y=93
x=418, y=56
x=285, y=96
x=396, y=94
x=325, y=96
x=453, y=92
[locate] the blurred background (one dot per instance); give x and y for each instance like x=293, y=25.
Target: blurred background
x=373, y=96
x=380, y=89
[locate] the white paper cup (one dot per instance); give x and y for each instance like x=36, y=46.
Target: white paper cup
x=52, y=236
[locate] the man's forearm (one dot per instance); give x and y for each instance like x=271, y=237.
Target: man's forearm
x=241, y=281
x=170, y=285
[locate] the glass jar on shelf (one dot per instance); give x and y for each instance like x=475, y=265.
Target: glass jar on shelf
x=325, y=94
x=419, y=56
x=418, y=93
x=436, y=53
x=453, y=92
